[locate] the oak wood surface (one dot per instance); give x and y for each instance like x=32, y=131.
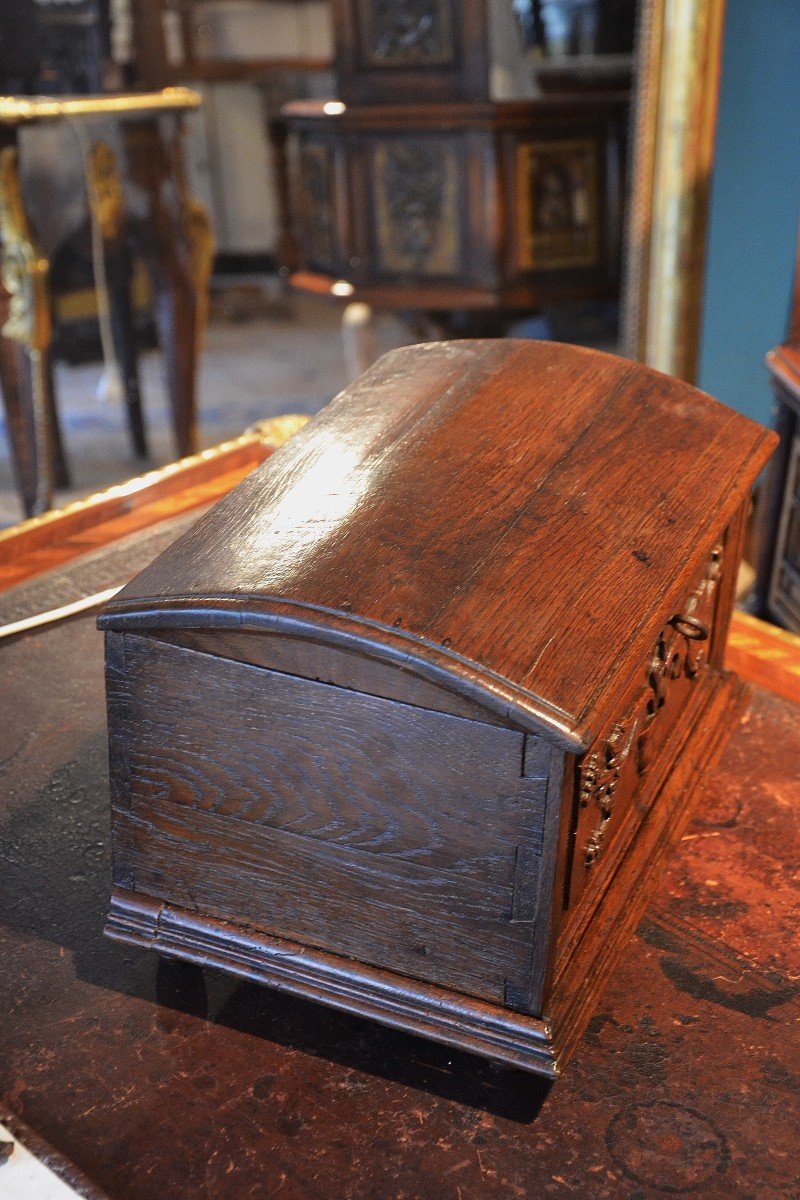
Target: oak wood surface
x=416, y=921
x=330, y=664
x=337, y=766
x=563, y=537
x=379, y=830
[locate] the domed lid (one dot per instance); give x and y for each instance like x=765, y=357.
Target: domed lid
x=510, y=519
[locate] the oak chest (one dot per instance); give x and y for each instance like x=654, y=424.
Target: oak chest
x=407, y=722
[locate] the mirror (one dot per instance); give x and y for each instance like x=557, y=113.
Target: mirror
x=677, y=84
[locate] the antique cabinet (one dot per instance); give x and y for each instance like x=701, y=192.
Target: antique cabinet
x=492, y=205
x=440, y=177
x=407, y=722
x=777, y=589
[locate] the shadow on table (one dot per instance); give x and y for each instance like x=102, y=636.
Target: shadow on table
x=55, y=873
x=353, y=1041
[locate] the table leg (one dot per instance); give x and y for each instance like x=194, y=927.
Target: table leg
x=359, y=339
x=25, y=336
x=288, y=255
x=107, y=200
x=180, y=246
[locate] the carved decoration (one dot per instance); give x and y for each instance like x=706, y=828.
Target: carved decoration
x=416, y=207
x=318, y=205
x=407, y=32
x=24, y=269
x=680, y=651
x=558, y=204
x=105, y=191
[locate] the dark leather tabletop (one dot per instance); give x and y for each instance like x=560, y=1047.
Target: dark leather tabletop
x=166, y=1081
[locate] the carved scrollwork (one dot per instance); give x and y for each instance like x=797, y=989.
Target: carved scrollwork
x=680, y=651
x=600, y=776
x=414, y=179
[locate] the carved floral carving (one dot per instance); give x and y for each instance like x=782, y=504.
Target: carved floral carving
x=24, y=268
x=416, y=195
x=680, y=651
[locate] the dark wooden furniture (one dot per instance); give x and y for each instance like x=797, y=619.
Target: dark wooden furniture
x=777, y=590
x=419, y=187
x=459, y=649
x=487, y=206
x=176, y=241
x=268, y=1093
x=166, y=51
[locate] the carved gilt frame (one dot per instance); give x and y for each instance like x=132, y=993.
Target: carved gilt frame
x=678, y=72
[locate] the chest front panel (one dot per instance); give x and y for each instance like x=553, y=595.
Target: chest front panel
x=641, y=741
x=382, y=831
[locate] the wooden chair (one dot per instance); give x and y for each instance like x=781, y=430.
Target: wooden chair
x=176, y=242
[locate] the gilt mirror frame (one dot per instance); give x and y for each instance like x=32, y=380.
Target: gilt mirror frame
x=675, y=109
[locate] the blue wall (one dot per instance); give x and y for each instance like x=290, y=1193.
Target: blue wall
x=754, y=204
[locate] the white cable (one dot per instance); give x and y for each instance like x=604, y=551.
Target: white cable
x=58, y=614
x=110, y=386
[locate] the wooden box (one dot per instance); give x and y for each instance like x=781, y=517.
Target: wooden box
x=407, y=721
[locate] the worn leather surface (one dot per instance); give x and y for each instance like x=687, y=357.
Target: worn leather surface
x=162, y=1080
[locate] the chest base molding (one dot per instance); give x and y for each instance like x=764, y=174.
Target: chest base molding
x=538, y=1044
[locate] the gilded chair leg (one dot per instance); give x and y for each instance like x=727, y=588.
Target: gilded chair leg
x=107, y=201
x=25, y=337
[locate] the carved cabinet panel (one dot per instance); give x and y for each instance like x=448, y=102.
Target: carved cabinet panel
x=417, y=224
x=558, y=203
x=318, y=197
x=448, y=208
x=406, y=32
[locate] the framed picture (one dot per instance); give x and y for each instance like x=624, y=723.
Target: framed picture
x=406, y=33
x=558, y=204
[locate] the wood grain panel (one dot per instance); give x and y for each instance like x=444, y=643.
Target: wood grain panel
x=412, y=919
x=344, y=668
x=335, y=766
